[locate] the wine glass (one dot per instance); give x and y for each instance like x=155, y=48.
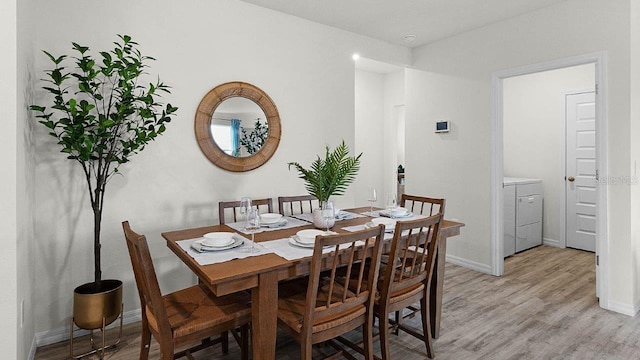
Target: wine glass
x=328, y=214
x=245, y=206
x=391, y=202
x=252, y=226
x=373, y=197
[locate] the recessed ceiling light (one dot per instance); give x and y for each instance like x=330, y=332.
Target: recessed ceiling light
x=409, y=38
x=355, y=57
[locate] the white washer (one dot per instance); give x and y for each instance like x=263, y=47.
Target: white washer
x=522, y=214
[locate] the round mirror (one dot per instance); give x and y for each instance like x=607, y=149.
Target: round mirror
x=237, y=126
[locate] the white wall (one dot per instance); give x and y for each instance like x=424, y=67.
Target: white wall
x=8, y=175
x=305, y=68
x=635, y=144
x=533, y=128
x=369, y=139
x=394, y=129
x=456, y=86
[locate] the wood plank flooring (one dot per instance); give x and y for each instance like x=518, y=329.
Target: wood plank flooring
x=543, y=308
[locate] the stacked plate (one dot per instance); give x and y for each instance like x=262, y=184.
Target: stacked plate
x=389, y=224
x=216, y=241
x=305, y=238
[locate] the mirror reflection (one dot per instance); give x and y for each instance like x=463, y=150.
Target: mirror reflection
x=239, y=127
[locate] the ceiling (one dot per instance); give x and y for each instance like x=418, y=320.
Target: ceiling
x=392, y=20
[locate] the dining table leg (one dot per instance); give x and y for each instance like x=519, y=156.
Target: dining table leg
x=264, y=316
x=437, y=285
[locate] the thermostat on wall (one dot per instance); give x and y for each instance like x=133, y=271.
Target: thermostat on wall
x=442, y=126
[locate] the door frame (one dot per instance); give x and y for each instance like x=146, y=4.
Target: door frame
x=563, y=201
x=497, y=162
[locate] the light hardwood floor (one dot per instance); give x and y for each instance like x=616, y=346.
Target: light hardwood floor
x=543, y=308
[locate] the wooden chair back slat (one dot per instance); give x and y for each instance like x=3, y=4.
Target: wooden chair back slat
x=258, y=204
x=349, y=298
x=422, y=205
x=412, y=255
x=293, y=205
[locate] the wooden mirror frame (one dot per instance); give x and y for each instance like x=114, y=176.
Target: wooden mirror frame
x=205, y=139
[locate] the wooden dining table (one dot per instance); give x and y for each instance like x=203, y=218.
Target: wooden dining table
x=260, y=274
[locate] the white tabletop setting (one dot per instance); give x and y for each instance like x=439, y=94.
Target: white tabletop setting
x=341, y=215
x=209, y=255
x=286, y=222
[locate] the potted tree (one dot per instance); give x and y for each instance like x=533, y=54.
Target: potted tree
x=329, y=176
x=102, y=113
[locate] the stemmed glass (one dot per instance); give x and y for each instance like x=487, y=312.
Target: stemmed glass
x=391, y=202
x=252, y=226
x=245, y=206
x=373, y=197
x=328, y=213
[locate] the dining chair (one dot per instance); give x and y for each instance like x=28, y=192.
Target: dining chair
x=422, y=205
x=320, y=307
x=292, y=205
x=407, y=280
x=188, y=317
x=235, y=205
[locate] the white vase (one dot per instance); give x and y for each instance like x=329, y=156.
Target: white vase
x=320, y=222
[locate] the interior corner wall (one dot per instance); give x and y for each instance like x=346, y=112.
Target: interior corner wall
x=454, y=84
x=8, y=182
x=307, y=70
x=533, y=127
x=635, y=145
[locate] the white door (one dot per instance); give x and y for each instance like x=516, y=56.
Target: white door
x=580, y=174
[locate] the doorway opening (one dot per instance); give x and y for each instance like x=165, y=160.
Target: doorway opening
x=379, y=131
x=529, y=145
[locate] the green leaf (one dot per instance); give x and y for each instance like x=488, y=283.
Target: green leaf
x=79, y=48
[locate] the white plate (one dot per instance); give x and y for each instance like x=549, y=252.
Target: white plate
x=398, y=212
x=281, y=222
x=387, y=222
x=217, y=239
x=293, y=241
x=387, y=229
x=308, y=236
x=237, y=241
x=270, y=218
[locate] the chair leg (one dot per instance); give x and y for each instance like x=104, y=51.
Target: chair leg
x=244, y=342
x=367, y=339
x=224, y=337
x=166, y=352
x=306, y=348
x=145, y=342
x=426, y=326
x=396, y=330
x=384, y=336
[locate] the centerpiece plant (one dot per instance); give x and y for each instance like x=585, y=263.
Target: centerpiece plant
x=330, y=175
x=102, y=112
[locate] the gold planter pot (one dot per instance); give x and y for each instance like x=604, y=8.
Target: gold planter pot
x=96, y=305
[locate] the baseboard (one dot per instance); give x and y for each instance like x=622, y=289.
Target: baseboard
x=61, y=334
x=622, y=308
x=552, y=242
x=469, y=264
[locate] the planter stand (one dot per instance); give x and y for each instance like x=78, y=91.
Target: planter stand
x=96, y=309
